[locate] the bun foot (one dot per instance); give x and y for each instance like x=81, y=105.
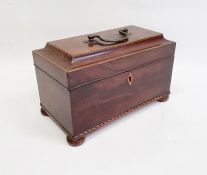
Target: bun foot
x=164, y=99
x=43, y=112
x=74, y=143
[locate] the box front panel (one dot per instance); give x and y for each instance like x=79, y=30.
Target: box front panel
x=99, y=101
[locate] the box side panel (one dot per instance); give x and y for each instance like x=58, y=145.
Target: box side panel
x=55, y=98
x=43, y=60
x=98, y=102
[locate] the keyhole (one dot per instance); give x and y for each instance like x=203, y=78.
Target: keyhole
x=130, y=79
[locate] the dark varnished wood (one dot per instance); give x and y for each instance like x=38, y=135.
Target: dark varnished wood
x=79, y=53
x=55, y=99
x=57, y=57
x=111, y=96
x=83, y=88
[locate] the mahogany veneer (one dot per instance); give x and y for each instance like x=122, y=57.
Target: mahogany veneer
x=86, y=82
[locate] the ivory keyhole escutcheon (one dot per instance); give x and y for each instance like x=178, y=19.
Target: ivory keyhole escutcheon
x=130, y=79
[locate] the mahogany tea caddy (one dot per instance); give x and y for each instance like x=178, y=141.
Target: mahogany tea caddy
x=86, y=82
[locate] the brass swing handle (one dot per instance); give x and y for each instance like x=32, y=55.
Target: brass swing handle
x=123, y=32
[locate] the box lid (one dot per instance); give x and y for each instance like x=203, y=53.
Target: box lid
x=75, y=53
x=80, y=52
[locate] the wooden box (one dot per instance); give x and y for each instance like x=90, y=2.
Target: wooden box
x=88, y=81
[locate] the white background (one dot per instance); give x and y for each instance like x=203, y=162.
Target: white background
x=164, y=138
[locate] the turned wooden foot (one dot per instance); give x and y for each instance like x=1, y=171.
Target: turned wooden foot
x=43, y=112
x=75, y=142
x=164, y=99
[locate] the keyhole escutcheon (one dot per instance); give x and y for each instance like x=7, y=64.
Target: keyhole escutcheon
x=130, y=79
